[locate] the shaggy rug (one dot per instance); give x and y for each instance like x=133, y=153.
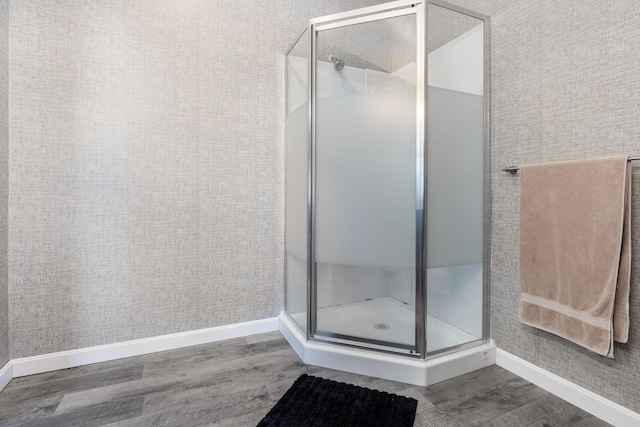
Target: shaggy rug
x=313, y=401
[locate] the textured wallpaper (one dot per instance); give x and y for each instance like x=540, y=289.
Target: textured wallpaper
x=146, y=189
x=565, y=85
x=4, y=175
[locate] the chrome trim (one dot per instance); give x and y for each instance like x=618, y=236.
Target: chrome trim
x=366, y=346
x=398, y=347
x=310, y=141
x=288, y=51
x=285, y=93
x=514, y=169
x=421, y=180
x=364, y=19
x=458, y=9
x=488, y=202
x=370, y=10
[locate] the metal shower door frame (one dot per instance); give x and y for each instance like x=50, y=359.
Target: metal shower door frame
x=370, y=14
x=355, y=17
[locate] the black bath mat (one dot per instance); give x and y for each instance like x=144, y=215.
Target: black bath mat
x=313, y=401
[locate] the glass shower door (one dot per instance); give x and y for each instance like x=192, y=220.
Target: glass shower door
x=364, y=192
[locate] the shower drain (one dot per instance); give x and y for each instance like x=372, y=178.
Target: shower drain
x=381, y=326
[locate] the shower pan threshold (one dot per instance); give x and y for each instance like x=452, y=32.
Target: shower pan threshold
x=383, y=365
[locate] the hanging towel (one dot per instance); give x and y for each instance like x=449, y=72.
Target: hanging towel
x=575, y=250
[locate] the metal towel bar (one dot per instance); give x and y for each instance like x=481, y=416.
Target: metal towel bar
x=514, y=169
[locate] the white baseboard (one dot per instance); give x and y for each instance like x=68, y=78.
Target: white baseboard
x=600, y=407
x=102, y=353
x=6, y=373
x=584, y=399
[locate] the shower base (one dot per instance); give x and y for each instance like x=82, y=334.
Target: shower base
x=384, y=365
x=387, y=319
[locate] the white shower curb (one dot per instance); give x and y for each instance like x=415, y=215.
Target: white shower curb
x=386, y=366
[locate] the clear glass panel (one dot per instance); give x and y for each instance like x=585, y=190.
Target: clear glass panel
x=297, y=169
x=455, y=179
x=365, y=181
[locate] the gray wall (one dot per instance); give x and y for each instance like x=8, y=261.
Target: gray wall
x=147, y=161
x=565, y=85
x=4, y=175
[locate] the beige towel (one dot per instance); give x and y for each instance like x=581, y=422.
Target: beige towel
x=575, y=251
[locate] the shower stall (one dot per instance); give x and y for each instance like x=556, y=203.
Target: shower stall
x=387, y=192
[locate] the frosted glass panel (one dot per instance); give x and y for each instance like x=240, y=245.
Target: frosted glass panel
x=365, y=180
x=454, y=178
x=455, y=162
x=297, y=161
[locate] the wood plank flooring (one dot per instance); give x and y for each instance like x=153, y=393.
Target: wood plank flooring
x=236, y=382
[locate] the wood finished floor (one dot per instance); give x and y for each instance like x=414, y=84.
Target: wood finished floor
x=236, y=382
